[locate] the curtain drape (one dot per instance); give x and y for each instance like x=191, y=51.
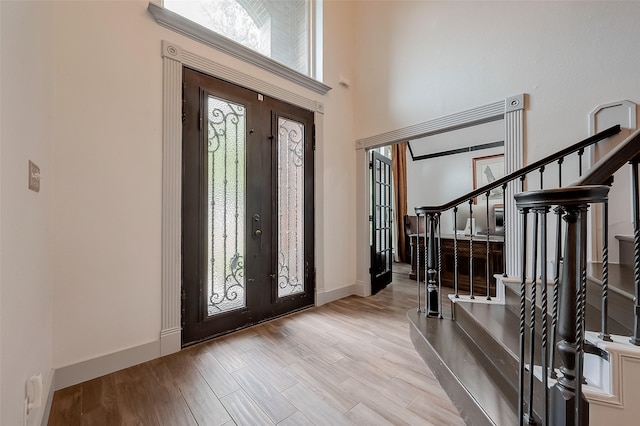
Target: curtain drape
x=399, y=170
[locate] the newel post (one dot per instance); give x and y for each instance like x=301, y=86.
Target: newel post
x=432, y=271
x=566, y=400
x=567, y=404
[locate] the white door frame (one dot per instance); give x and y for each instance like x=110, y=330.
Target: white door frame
x=511, y=110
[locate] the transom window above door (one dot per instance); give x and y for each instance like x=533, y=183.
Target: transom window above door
x=282, y=30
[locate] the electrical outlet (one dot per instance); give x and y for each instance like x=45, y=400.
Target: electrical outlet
x=34, y=177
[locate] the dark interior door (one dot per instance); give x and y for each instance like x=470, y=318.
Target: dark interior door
x=381, y=222
x=247, y=208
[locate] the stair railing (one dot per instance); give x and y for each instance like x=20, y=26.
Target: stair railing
x=564, y=403
x=430, y=257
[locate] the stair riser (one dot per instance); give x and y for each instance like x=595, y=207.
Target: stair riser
x=497, y=358
x=471, y=413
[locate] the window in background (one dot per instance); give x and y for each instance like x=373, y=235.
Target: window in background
x=279, y=29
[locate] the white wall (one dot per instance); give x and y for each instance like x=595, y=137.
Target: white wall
x=418, y=61
x=107, y=208
x=336, y=157
x=421, y=60
x=108, y=179
x=27, y=129
x=437, y=181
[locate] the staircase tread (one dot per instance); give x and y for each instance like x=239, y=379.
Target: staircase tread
x=620, y=277
x=499, y=321
x=450, y=343
x=593, y=319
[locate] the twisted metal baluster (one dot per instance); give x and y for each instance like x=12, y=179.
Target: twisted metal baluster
x=504, y=230
x=487, y=278
x=556, y=279
x=543, y=355
x=523, y=289
x=556, y=284
x=471, y=249
x=581, y=313
x=604, y=334
x=426, y=265
x=532, y=316
x=439, y=266
x=455, y=252
x=635, y=339
x=417, y=249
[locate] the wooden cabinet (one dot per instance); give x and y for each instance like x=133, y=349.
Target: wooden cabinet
x=495, y=257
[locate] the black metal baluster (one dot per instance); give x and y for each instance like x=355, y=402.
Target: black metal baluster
x=523, y=290
x=542, y=177
x=432, y=291
x=556, y=284
x=426, y=263
x=529, y=419
x=543, y=288
x=487, y=278
x=556, y=278
x=504, y=230
x=581, y=315
x=604, y=333
x=438, y=215
x=471, y=249
x=580, y=153
x=417, y=257
x=635, y=339
x=560, y=161
x=455, y=251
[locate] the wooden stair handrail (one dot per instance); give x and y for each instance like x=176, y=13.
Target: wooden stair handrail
x=611, y=131
x=600, y=174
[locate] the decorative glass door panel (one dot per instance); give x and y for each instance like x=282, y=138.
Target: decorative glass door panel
x=226, y=146
x=291, y=268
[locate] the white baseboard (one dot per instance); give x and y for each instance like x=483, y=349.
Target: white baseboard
x=170, y=341
x=96, y=367
x=361, y=289
x=339, y=293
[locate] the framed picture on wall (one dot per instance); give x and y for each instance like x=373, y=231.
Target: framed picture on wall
x=485, y=171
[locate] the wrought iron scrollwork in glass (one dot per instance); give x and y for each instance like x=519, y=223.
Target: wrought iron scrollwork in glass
x=226, y=148
x=291, y=266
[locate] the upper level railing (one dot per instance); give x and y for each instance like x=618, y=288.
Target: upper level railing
x=432, y=216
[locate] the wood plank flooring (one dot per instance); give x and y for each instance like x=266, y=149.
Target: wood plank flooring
x=349, y=362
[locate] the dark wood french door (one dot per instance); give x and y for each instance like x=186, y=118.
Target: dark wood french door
x=247, y=208
x=381, y=222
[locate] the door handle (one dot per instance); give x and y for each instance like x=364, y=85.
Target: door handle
x=256, y=225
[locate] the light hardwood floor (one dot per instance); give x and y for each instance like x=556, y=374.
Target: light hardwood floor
x=347, y=362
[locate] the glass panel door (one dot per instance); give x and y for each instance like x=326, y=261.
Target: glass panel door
x=381, y=222
x=247, y=208
x=291, y=137
x=226, y=146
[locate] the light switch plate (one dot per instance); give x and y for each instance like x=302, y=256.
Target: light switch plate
x=34, y=177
